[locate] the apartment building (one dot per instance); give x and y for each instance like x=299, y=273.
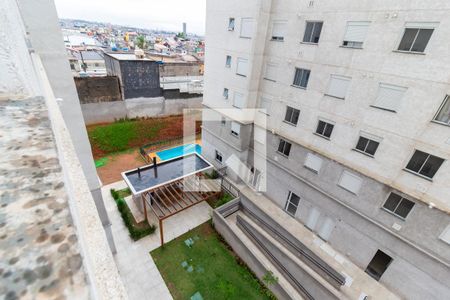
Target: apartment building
x=356, y=101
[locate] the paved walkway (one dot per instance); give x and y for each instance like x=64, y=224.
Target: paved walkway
x=139, y=273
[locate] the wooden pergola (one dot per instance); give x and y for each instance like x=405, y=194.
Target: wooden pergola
x=171, y=198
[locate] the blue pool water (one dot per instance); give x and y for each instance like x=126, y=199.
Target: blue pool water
x=179, y=151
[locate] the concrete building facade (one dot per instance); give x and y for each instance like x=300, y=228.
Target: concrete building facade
x=356, y=103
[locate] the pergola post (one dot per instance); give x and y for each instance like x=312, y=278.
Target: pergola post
x=145, y=207
x=161, y=231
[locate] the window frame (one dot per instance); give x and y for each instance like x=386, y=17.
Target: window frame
x=382, y=85
x=241, y=97
x=267, y=66
x=227, y=92
x=278, y=38
x=293, y=112
x=301, y=78
x=247, y=19
x=421, y=167
x=235, y=133
x=267, y=100
x=351, y=175
x=284, y=147
x=354, y=46
x=432, y=26
x=231, y=21
x=327, y=122
x=217, y=153
x=228, y=61
x=338, y=77
x=312, y=31
x=441, y=107
x=392, y=212
x=288, y=202
x=369, y=138
x=238, y=60
x=223, y=121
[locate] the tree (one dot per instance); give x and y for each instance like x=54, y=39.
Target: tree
x=141, y=43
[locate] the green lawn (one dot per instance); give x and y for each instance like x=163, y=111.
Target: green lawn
x=119, y=135
x=208, y=267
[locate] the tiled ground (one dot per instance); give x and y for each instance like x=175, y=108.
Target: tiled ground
x=136, y=267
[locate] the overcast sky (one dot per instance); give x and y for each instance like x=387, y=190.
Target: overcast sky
x=150, y=14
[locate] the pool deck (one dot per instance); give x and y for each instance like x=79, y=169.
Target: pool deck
x=153, y=154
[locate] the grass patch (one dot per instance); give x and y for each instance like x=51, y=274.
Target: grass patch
x=136, y=230
x=119, y=135
x=216, y=202
x=212, y=268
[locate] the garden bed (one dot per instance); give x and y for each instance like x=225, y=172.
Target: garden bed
x=136, y=230
x=200, y=262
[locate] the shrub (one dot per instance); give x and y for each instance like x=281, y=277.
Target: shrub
x=114, y=194
x=223, y=199
x=136, y=231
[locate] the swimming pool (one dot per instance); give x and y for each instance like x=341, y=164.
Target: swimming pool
x=179, y=151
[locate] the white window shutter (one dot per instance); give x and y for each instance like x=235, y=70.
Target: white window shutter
x=350, y=182
x=338, y=86
x=246, y=27
x=242, y=66
x=271, y=72
x=239, y=100
x=312, y=218
x=236, y=127
x=313, y=162
x=389, y=96
x=326, y=229
x=356, y=31
x=445, y=235
x=424, y=25
x=279, y=29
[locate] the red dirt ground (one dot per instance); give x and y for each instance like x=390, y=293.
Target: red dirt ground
x=118, y=163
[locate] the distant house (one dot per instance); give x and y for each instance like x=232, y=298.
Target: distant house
x=93, y=61
x=138, y=77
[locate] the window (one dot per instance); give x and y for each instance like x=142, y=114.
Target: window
x=246, y=28
x=416, y=36
x=443, y=115
x=225, y=93
x=218, y=156
x=265, y=105
x=424, y=164
x=355, y=34
x=445, y=235
x=312, y=32
x=324, y=129
x=367, y=145
x=228, y=61
x=242, y=65
x=239, y=100
x=292, y=204
x=313, y=162
x=338, y=86
x=350, y=182
x=230, y=24
x=389, y=97
x=271, y=72
x=284, y=147
x=235, y=129
x=72, y=66
x=223, y=122
x=398, y=205
x=292, y=115
x=278, y=30
x=378, y=265
x=301, y=78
